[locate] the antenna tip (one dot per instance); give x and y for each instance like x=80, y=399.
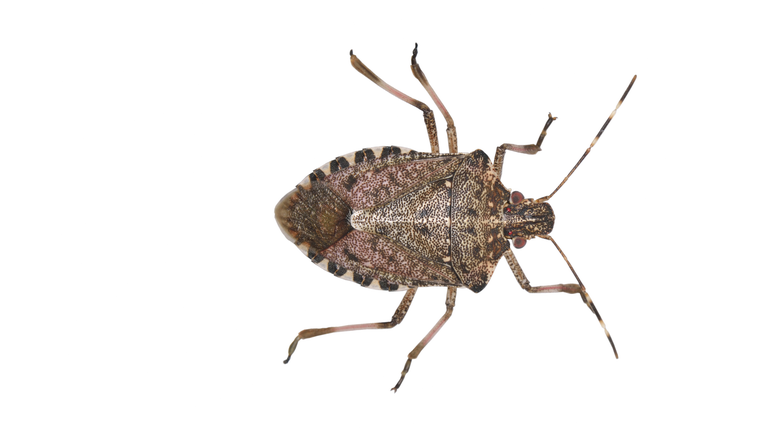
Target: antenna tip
x=610, y=339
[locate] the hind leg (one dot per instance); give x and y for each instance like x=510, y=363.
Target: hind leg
x=396, y=319
x=429, y=116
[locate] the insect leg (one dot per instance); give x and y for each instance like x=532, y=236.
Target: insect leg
x=429, y=116
x=526, y=284
x=566, y=288
x=531, y=149
x=396, y=319
x=594, y=141
x=450, y=302
x=451, y=130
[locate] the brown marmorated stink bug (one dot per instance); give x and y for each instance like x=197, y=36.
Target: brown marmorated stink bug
x=396, y=219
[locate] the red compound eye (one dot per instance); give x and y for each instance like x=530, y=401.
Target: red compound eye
x=519, y=242
x=516, y=198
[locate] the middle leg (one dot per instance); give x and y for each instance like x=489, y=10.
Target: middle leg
x=450, y=302
x=453, y=146
x=429, y=116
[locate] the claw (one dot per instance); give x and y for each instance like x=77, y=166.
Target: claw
x=402, y=375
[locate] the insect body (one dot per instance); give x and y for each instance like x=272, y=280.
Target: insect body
x=396, y=219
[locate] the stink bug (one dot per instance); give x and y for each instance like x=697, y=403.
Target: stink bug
x=396, y=219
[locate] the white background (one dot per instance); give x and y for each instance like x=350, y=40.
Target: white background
x=144, y=284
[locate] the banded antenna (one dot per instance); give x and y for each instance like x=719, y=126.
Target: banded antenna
x=594, y=141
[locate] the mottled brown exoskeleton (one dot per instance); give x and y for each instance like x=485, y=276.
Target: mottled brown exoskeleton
x=396, y=219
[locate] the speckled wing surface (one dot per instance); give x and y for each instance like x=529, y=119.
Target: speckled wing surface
x=383, y=216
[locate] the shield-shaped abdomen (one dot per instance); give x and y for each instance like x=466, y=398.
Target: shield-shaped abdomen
x=393, y=218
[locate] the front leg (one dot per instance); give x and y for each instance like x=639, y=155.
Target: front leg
x=566, y=288
x=526, y=284
x=501, y=150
